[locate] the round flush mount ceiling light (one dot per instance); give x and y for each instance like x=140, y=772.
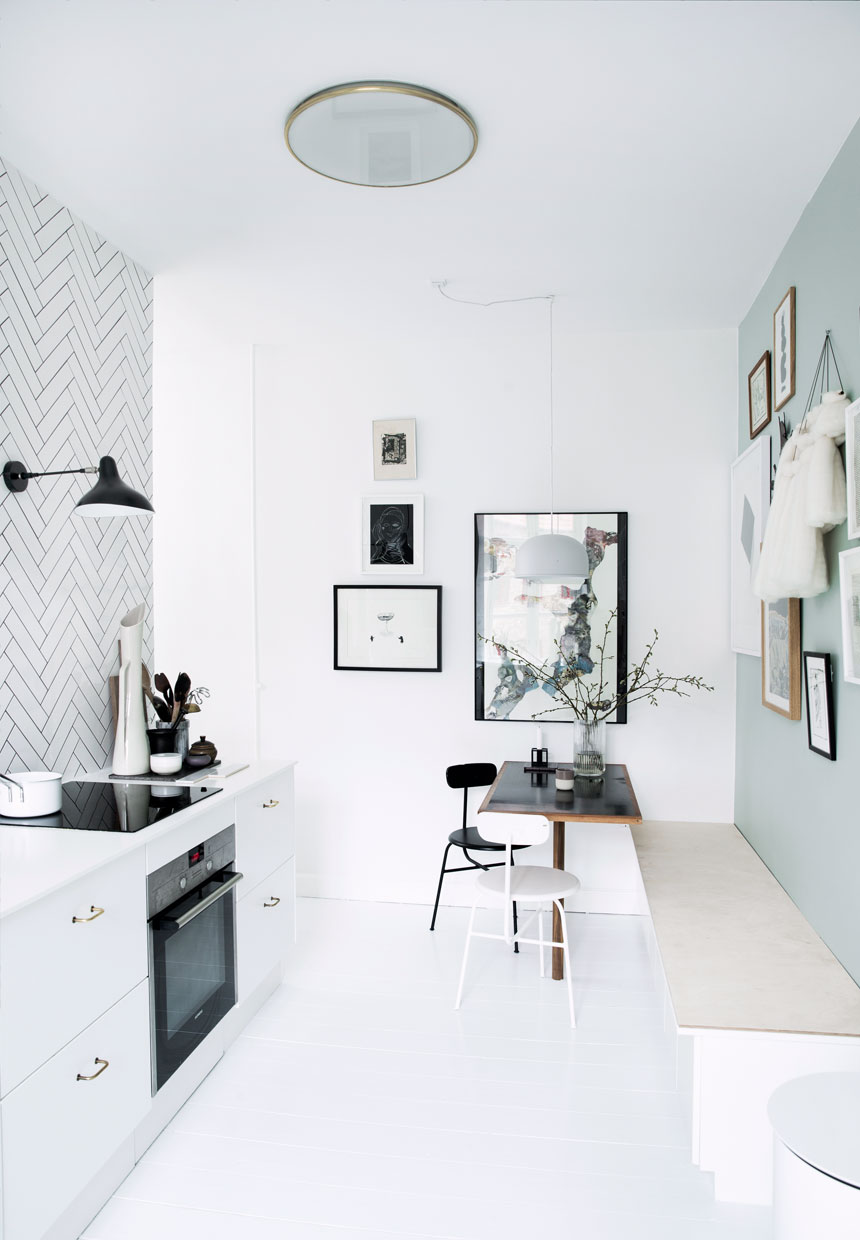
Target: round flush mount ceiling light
x=382, y=134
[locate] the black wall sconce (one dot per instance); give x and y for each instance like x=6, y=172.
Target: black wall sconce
x=110, y=497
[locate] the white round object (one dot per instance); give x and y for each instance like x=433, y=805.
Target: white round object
x=807, y=1203
x=165, y=763
x=554, y=558
x=817, y=1118
x=166, y=790
x=42, y=794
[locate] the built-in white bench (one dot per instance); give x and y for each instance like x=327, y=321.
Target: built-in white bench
x=753, y=996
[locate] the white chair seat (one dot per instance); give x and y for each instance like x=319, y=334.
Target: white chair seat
x=528, y=883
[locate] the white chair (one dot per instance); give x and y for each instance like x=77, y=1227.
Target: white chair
x=538, y=885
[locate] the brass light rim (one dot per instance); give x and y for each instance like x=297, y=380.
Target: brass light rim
x=389, y=87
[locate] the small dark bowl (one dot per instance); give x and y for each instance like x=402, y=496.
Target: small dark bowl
x=196, y=761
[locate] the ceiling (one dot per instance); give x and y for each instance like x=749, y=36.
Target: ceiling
x=645, y=160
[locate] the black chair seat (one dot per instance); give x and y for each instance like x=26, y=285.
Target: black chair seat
x=471, y=838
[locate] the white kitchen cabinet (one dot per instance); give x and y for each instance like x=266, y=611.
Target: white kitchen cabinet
x=59, y=1129
x=266, y=927
x=65, y=959
x=265, y=828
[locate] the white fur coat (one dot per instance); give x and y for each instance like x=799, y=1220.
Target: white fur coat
x=808, y=500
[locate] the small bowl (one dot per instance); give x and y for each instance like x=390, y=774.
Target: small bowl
x=197, y=761
x=165, y=763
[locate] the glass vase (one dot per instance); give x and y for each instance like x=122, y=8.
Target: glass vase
x=589, y=748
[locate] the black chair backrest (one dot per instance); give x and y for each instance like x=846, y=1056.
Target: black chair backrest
x=471, y=775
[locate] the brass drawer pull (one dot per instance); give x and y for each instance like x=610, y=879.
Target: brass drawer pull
x=104, y=1066
x=271, y=903
x=270, y=804
x=96, y=912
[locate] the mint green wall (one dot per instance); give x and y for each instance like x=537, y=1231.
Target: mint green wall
x=798, y=810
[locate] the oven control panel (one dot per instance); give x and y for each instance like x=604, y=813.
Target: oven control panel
x=178, y=877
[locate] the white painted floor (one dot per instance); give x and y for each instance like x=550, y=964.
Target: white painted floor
x=358, y=1103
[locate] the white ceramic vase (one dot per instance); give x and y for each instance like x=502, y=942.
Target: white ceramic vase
x=131, y=748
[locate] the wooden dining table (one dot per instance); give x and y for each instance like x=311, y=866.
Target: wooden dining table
x=609, y=799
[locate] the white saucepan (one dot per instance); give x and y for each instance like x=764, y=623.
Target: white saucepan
x=40, y=792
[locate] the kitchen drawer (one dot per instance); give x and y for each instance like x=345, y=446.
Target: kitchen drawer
x=57, y=975
x=59, y=1131
x=265, y=828
x=266, y=927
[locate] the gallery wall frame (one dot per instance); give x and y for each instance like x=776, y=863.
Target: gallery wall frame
x=820, y=725
x=532, y=617
x=780, y=656
x=750, y=500
x=392, y=535
x=852, y=467
x=394, y=449
x=390, y=628
x=849, y=597
x=784, y=350
x=758, y=388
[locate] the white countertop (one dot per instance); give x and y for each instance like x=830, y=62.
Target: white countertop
x=737, y=952
x=34, y=861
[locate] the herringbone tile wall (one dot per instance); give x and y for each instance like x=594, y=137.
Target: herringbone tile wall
x=75, y=385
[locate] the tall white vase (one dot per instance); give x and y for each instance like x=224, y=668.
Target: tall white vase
x=131, y=748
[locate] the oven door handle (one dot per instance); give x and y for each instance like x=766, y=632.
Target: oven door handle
x=205, y=903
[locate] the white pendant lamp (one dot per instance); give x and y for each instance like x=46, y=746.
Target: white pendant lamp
x=556, y=559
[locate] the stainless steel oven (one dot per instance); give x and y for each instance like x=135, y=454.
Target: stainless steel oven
x=192, y=949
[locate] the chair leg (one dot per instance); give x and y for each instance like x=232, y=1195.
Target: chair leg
x=516, y=944
x=465, y=956
x=439, y=888
x=540, y=940
x=566, y=953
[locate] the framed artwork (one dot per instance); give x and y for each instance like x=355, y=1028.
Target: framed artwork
x=819, y=704
x=536, y=618
x=780, y=657
x=394, y=449
x=849, y=591
x=852, y=467
x=392, y=534
x=758, y=384
x=750, y=506
x=388, y=628
x=783, y=351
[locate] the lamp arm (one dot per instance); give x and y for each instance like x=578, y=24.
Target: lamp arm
x=49, y=473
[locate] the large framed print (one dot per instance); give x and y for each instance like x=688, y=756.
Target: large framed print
x=849, y=591
x=780, y=659
x=852, y=467
x=392, y=534
x=750, y=506
x=537, y=619
x=784, y=350
x=388, y=628
x=819, y=704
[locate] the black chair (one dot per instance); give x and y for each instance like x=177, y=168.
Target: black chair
x=470, y=775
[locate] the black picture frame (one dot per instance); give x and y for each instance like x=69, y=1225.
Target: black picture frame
x=497, y=536
x=364, y=639
x=818, y=682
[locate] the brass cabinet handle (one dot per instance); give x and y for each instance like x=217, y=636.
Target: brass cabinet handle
x=271, y=903
x=105, y=1064
x=270, y=804
x=96, y=912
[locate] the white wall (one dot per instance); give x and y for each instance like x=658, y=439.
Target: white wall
x=642, y=423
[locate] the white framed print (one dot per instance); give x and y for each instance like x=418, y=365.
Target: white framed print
x=783, y=350
x=852, y=467
x=849, y=595
x=394, y=449
x=750, y=506
x=391, y=628
x=392, y=534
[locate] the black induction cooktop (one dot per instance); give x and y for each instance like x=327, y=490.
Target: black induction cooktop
x=116, y=806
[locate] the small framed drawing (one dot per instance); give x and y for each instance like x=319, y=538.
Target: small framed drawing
x=394, y=449
x=852, y=467
x=392, y=534
x=750, y=506
x=388, y=628
x=758, y=385
x=780, y=656
x=783, y=351
x=819, y=704
x=849, y=592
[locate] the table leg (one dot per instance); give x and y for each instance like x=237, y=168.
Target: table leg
x=558, y=862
